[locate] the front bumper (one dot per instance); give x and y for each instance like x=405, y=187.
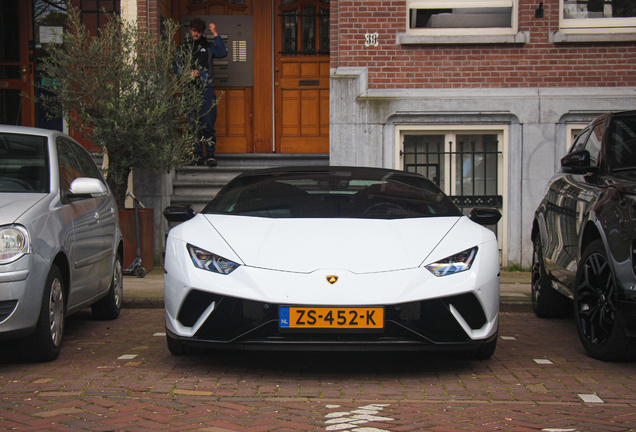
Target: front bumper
x=434, y=324
x=21, y=288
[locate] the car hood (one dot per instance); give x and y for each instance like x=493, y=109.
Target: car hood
x=357, y=245
x=14, y=205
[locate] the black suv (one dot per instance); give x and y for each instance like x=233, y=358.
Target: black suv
x=584, y=239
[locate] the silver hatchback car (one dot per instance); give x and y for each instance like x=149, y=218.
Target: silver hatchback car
x=60, y=245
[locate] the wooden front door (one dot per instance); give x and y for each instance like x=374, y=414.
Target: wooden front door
x=301, y=76
x=16, y=69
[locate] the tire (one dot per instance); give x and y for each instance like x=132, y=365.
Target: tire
x=546, y=301
x=45, y=343
x=109, y=307
x=486, y=351
x=597, y=323
x=176, y=347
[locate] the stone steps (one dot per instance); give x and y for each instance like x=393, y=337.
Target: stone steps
x=197, y=185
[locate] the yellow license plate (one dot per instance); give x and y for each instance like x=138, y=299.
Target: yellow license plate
x=331, y=317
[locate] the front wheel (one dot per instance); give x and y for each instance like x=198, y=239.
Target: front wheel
x=485, y=351
x=45, y=343
x=176, y=347
x=546, y=301
x=600, y=331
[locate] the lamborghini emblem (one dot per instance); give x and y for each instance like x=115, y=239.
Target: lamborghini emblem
x=332, y=279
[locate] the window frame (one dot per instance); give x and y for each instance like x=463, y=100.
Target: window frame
x=451, y=131
x=467, y=31
x=573, y=130
x=594, y=25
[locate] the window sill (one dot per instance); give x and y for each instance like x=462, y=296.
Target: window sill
x=570, y=37
x=409, y=39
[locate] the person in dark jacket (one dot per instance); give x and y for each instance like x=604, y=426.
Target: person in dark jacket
x=203, y=54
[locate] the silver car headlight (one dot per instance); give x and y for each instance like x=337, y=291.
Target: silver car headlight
x=14, y=243
x=454, y=264
x=208, y=261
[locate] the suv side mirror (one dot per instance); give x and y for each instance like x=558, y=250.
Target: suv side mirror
x=179, y=213
x=578, y=162
x=484, y=216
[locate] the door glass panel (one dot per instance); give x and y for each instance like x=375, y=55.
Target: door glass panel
x=10, y=107
x=324, y=31
x=467, y=170
x=311, y=24
x=309, y=30
x=9, y=31
x=9, y=72
x=423, y=154
x=476, y=164
x=49, y=20
x=289, y=32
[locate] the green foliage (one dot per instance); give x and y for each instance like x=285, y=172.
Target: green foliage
x=514, y=268
x=119, y=90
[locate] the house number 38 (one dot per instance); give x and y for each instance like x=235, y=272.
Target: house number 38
x=371, y=39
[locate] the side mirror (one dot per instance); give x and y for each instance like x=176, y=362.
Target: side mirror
x=179, y=213
x=85, y=187
x=578, y=162
x=484, y=216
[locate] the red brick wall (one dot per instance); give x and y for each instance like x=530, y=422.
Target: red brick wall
x=148, y=11
x=535, y=64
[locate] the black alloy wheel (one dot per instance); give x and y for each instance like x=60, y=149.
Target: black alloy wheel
x=601, y=333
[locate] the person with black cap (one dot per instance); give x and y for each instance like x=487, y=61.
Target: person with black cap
x=203, y=54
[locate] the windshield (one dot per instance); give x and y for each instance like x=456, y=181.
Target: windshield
x=24, y=163
x=332, y=194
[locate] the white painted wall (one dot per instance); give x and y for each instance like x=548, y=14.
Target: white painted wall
x=363, y=125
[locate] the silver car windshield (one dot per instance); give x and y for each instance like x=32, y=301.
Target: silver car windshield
x=24, y=166
x=355, y=194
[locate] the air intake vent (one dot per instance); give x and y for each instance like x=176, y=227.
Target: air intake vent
x=7, y=308
x=469, y=308
x=194, y=305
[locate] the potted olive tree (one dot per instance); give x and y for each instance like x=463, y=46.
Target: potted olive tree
x=119, y=90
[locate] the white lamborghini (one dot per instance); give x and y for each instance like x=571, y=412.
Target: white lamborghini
x=332, y=258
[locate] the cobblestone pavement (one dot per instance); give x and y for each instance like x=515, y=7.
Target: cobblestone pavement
x=119, y=376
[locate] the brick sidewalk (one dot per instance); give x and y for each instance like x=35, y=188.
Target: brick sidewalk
x=119, y=375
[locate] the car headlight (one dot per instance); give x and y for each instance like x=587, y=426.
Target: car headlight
x=208, y=261
x=14, y=243
x=454, y=264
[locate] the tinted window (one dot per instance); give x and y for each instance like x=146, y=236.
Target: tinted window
x=24, y=163
x=347, y=194
x=593, y=144
x=622, y=152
